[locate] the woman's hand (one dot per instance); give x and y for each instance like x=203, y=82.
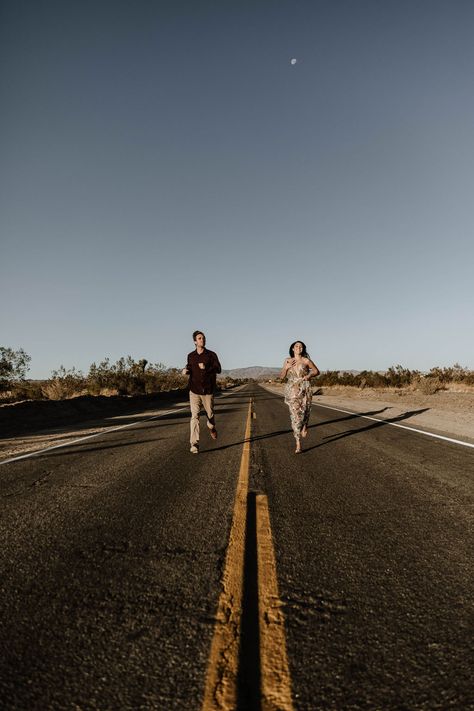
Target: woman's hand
x=286, y=366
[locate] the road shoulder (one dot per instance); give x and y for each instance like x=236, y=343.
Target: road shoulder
x=432, y=413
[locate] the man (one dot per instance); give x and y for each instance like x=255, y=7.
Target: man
x=202, y=368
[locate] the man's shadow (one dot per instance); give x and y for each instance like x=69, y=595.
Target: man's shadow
x=348, y=433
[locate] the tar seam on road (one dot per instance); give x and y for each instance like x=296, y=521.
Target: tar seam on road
x=222, y=679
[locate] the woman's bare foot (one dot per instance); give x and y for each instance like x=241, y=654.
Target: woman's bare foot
x=298, y=447
x=304, y=431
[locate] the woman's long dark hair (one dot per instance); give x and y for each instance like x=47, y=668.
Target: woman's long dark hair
x=304, y=354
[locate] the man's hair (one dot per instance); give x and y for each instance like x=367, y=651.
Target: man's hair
x=196, y=334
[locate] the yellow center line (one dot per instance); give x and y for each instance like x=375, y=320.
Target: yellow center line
x=274, y=671
x=222, y=673
x=221, y=679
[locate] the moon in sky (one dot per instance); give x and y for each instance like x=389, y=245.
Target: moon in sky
x=293, y=60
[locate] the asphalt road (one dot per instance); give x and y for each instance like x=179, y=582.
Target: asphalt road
x=113, y=550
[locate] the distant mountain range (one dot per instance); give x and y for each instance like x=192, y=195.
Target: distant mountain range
x=257, y=372
x=260, y=372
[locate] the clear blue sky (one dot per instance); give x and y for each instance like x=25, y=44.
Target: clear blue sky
x=164, y=167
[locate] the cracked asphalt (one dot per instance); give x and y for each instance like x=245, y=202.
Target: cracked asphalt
x=113, y=548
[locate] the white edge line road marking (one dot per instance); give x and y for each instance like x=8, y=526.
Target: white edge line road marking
x=395, y=424
x=392, y=424
x=97, y=434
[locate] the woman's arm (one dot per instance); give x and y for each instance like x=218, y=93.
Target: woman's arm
x=285, y=368
x=314, y=370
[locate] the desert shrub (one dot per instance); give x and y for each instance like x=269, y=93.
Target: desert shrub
x=454, y=374
x=370, y=379
x=27, y=390
x=226, y=383
x=64, y=384
x=429, y=385
x=469, y=378
x=348, y=379
x=100, y=377
x=397, y=376
x=158, y=378
x=129, y=377
x=125, y=377
x=13, y=367
x=329, y=377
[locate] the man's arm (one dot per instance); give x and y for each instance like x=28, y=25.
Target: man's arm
x=187, y=369
x=215, y=365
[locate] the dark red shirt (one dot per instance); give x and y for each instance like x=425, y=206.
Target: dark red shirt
x=203, y=382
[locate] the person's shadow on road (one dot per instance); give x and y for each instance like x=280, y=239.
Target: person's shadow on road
x=348, y=433
x=380, y=423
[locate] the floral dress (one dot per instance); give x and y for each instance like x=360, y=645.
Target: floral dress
x=298, y=397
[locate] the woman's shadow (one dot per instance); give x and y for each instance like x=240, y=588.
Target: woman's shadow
x=348, y=433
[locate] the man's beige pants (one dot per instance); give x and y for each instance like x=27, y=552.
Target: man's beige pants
x=197, y=402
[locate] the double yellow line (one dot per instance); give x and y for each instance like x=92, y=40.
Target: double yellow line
x=222, y=673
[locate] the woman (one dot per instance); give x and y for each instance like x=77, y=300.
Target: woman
x=299, y=369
